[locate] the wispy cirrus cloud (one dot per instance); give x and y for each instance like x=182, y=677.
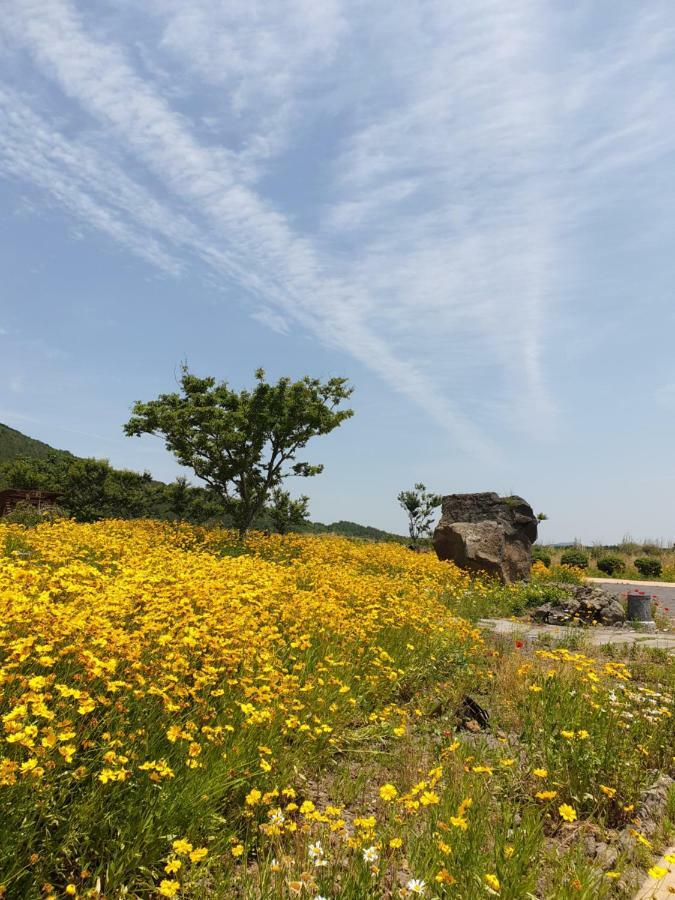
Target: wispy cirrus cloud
x=451, y=149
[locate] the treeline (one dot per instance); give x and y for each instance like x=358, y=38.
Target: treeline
x=91, y=489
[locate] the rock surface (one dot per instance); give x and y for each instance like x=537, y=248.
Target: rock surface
x=487, y=533
x=584, y=605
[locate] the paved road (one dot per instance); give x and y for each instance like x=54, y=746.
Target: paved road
x=662, y=591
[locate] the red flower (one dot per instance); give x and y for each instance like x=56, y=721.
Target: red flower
x=519, y=644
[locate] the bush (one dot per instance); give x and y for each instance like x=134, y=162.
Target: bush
x=651, y=550
x=576, y=558
x=24, y=513
x=648, y=566
x=542, y=555
x=611, y=564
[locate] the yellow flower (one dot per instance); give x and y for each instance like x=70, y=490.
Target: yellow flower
x=199, y=854
x=237, y=850
x=567, y=812
x=657, y=872
x=546, y=795
x=168, y=888
x=508, y=851
x=444, y=877
x=172, y=866
x=670, y=858
x=182, y=847
x=492, y=881
x=429, y=798
x=540, y=773
x=612, y=875
x=71, y=890
x=506, y=763
x=395, y=843
x=253, y=797
x=388, y=792
x=609, y=791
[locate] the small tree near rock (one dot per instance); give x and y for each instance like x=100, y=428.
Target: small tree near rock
x=419, y=504
x=287, y=514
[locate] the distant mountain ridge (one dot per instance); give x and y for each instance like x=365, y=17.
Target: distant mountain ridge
x=16, y=445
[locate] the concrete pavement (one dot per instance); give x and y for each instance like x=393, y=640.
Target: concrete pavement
x=597, y=635
x=661, y=591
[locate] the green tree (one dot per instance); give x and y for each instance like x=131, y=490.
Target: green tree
x=243, y=443
x=419, y=505
x=287, y=514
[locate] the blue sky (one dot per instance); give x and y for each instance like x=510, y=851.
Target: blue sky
x=466, y=209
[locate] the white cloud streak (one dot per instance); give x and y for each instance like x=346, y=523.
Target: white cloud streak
x=464, y=142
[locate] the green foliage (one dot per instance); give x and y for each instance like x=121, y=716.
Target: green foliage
x=287, y=514
x=24, y=513
x=419, y=504
x=651, y=549
x=542, y=555
x=354, y=530
x=243, y=443
x=576, y=558
x=611, y=564
x=14, y=444
x=91, y=489
x=648, y=566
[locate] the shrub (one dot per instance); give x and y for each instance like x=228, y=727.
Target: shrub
x=611, y=564
x=542, y=555
x=24, y=513
x=648, y=566
x=576, y=558
x=651, y=550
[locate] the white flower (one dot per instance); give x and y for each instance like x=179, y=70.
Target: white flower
x=315, y=850
x=416, y=886
x=370, y=854
x=277, y=817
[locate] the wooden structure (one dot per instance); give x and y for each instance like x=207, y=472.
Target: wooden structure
x=39, y=499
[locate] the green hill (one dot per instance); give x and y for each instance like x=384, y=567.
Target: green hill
x=15, y=445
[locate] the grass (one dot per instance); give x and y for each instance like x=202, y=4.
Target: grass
x=628, y=551
x=184, y=716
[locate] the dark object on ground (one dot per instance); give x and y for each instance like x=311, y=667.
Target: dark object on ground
x=471, y=711
x=487, y=533
x=640, y=609
x=649, y=566
x=584, y=604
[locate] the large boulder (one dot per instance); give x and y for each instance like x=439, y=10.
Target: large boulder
x=487, y=533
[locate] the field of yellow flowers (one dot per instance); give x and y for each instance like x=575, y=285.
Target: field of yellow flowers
x=187, y=716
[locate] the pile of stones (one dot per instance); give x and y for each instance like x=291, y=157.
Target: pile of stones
x=584, y=605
